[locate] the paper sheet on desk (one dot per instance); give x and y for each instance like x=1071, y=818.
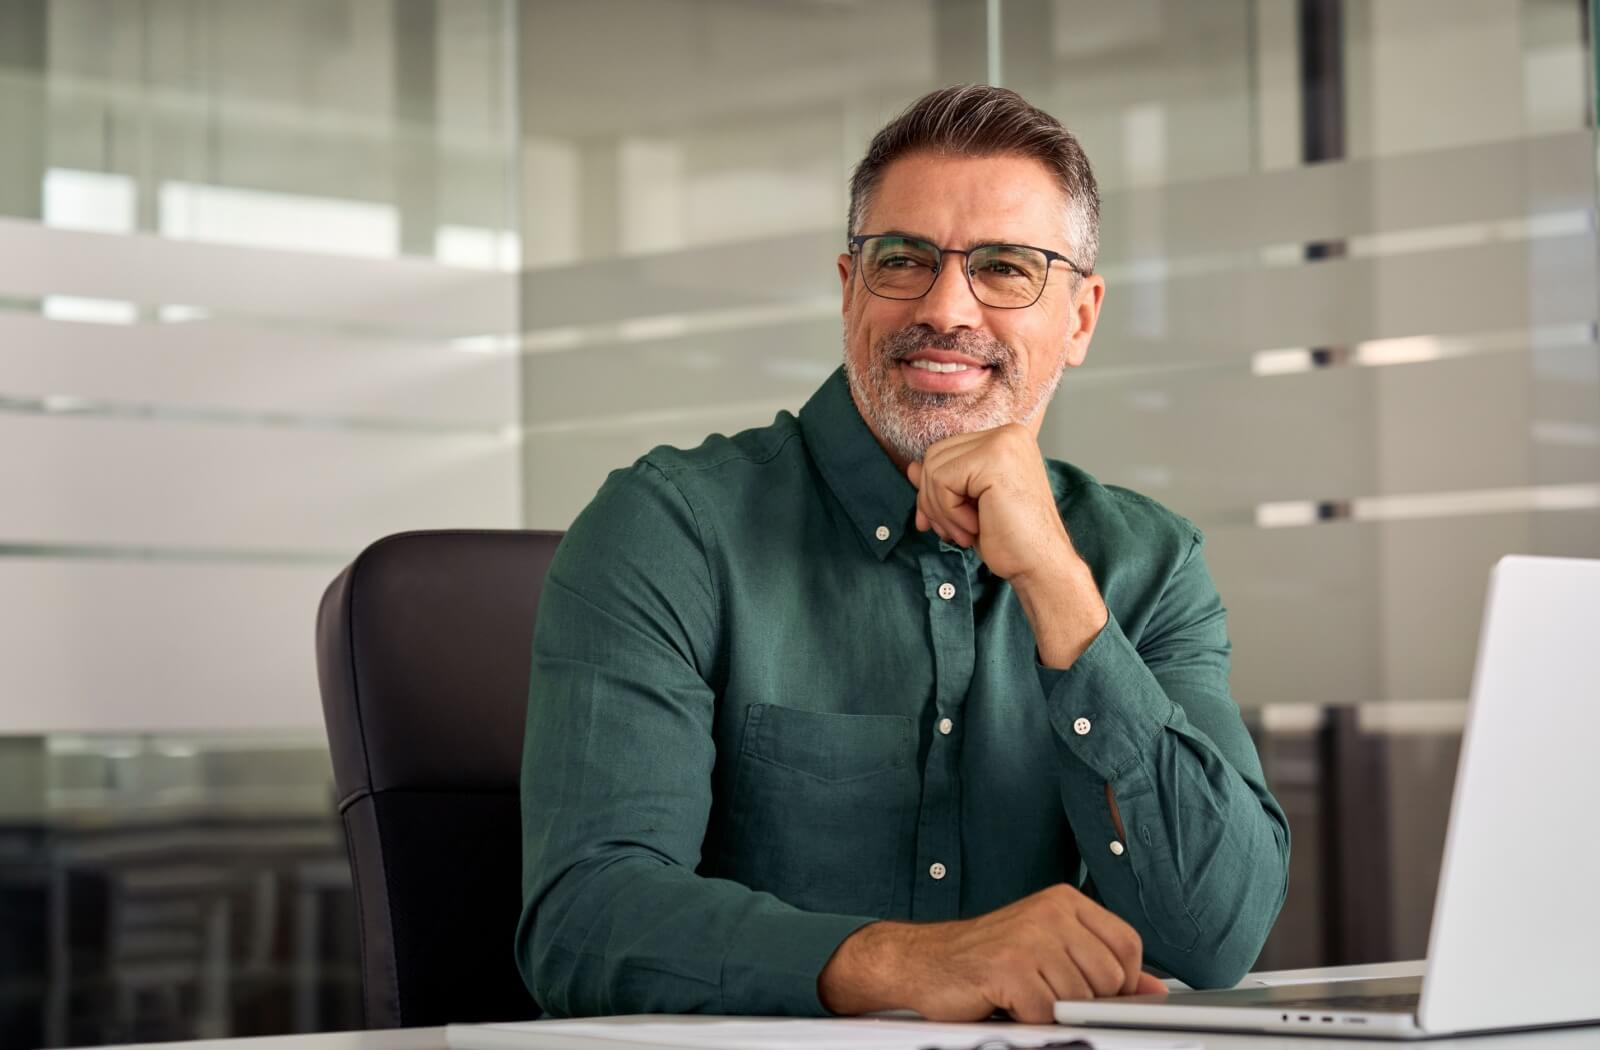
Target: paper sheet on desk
x=702, y=1033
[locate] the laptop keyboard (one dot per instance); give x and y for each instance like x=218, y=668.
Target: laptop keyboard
x=1403, y=1003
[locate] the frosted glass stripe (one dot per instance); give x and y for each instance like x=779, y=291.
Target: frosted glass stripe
x=1479, y=184
x=72, y=405
x=1575, y=222
x=405, y=294
x=1579, y=496
x=1405, y=350
x=222, y=367
x=122, y=552
x=159, y=647
x=125, y=483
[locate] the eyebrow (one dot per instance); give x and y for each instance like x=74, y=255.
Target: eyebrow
x=981, y=243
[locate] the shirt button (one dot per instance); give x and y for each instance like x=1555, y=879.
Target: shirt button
x=945, y=725
x=1116, y=848
x=947, y=591
x=1081, y=727
x=936, y=870
x=882, y=533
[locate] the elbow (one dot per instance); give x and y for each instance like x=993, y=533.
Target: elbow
x=550, y=974
x=1220, y=959
x=1221, y=970
x=1227, y=948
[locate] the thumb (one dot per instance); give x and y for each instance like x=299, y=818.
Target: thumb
x=1149, y=984
x=914, y=472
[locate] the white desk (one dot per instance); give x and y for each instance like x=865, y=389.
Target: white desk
x=434, y=1038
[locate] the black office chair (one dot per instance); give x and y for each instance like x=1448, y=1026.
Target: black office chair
x=423, y=655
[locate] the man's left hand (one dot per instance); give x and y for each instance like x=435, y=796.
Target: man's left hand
x=989, y=490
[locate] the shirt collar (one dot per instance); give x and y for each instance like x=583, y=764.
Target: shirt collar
x=874, y=493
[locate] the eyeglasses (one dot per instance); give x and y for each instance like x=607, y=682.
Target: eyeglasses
x=1004, y=276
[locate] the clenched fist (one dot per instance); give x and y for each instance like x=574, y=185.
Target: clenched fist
x=1055, y=944
x=989, y=489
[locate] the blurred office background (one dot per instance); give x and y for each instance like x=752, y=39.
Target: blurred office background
x=278, y=279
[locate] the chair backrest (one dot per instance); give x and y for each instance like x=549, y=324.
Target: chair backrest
x=424, y=648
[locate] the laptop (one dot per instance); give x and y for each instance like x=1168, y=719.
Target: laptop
x=1517, y=911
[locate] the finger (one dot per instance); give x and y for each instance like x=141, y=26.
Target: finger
x=1150, y=984
x=1028, y=999
x=1065, y=978
x=922, y=521
x=1100, y=968
x=956, y=506
x=958, y=483
x=954, y=442
x=1122, y=940
x=914, y=472
x=948, y=528
x=943, y=495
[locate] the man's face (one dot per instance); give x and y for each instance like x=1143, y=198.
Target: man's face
x=1013, y=358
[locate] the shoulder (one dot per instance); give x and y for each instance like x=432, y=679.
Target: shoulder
x=1084, y=499
x=721, y=453
x=659, y=501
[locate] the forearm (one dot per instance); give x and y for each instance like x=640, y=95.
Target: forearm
x=1200, y=865
x=868, y=972
x=628, y=934
x=1063, y=607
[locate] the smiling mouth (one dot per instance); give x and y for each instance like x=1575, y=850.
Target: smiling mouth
x=945, y=366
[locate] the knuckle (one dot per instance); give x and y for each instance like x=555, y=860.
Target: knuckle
x=1130, y=943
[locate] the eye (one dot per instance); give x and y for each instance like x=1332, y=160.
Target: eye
x=1002, y=269
x=900, y=262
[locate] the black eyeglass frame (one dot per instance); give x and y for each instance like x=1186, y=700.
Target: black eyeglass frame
x=860, y=239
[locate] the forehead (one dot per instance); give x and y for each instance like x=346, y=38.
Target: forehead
x=964, y=200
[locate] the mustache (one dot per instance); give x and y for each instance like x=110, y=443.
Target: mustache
x=901, y=344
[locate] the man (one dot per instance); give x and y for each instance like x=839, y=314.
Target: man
x=877, y=707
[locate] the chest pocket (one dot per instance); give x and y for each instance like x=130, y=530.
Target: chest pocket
x=824, y=806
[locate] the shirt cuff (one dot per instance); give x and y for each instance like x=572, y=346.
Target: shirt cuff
x=773, y=964
x=1107, y=708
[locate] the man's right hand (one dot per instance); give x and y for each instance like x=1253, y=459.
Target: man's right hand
x=1055, y=944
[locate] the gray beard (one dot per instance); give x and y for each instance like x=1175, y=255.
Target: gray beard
x=911, y=421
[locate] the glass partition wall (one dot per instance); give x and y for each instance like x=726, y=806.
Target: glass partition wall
x=1349, y=327
x=276, y=280
x=257, y=274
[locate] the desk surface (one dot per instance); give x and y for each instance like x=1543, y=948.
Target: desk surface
x=434, y=1038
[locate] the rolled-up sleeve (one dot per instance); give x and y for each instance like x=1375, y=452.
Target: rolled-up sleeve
x=1204, y=868
x=616, y=786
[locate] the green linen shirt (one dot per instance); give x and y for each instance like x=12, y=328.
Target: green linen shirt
x=764, y=711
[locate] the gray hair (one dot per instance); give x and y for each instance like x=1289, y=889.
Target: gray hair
x=975, y=120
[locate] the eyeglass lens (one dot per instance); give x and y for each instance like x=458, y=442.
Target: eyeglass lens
x=1002, y=275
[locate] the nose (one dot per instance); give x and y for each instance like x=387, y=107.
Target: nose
x=950, y=303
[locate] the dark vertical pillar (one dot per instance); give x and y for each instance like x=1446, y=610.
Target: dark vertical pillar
x=24, y=25
x=1322, y=80
x=1322, y=92
x=416, y=92
x=1357, y=865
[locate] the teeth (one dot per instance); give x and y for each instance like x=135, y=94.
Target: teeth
x=935, y=366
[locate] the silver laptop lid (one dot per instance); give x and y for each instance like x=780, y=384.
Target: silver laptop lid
x=1517, y=916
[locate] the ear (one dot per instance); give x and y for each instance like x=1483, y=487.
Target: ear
x=846, y=286
x=1085, y=315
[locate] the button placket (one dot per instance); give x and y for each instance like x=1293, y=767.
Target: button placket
x=936, y=892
